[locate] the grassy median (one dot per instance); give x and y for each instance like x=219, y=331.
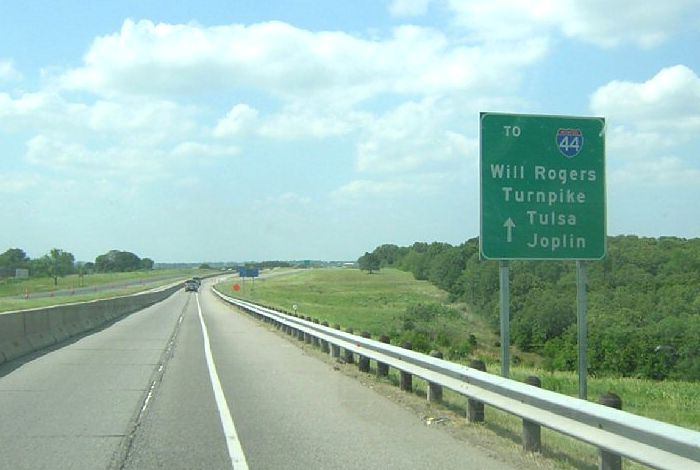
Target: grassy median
x=21, y=294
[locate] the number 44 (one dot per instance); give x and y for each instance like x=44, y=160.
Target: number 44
x=570, y=142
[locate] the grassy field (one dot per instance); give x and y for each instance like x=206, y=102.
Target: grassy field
x=103, y=285
x=344, y=296
x=376, y=303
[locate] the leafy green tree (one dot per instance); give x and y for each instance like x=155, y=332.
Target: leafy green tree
x=120, y=261
x=14, y=258
x=369, y=262
x=59, y=263
x=643, y=303
x=11, y=260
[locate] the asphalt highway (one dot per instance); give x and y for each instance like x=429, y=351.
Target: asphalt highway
x=191, y=383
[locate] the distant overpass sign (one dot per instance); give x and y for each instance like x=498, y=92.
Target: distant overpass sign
x=542, y=187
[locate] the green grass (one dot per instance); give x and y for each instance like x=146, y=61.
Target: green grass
x=375, y=303
x=348, y=297
x=12, y=291
x=670, y=401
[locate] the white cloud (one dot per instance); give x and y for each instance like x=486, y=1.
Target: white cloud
x=8, y=72
x=125, y=137
x=298, y=121
x=15, y=182
x=135, y=163
x=669, y=100
x=239, y=119
x=144, y=120
x=202, y=150
x=395, y=188
x=288, y=199
x=156, y=119
x=654, y=127
x=593, y=21
x=409, y=7
x=285, y=61
x=665, y=171
x=413, y=136
x=363, y=188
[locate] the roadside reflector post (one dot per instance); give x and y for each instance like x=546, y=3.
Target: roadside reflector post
x=532, y=440
x=406, y=379
x=608, y=460
x=382, y=368
x=475, y=408
x=363, y=361
x=435, y=390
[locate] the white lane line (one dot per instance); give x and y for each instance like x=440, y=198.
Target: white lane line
x=235, y=451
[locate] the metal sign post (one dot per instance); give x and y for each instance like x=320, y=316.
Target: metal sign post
x=582, y=324
x=504, y=282
x=542, y=198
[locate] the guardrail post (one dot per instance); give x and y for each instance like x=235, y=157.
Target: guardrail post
x=435, y=390
x=363, y=361
x=382, y=368
x=475, y=408
x=307, y=336
x=531, y=431
x=295, y=331
x=335, y=349
x=349, y=358
x=324, y=343
x=314, y=339
x=608, y=460
x=406, y=379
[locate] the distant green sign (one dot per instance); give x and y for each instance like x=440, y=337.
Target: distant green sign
x=542, y=187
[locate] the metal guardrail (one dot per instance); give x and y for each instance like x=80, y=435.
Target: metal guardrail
x=644, y=440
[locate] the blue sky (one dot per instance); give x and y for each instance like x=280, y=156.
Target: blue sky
x=253, y=130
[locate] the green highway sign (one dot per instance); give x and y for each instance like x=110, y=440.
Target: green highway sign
x=542, y=187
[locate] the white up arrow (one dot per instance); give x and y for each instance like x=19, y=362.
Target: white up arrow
x=509, y=227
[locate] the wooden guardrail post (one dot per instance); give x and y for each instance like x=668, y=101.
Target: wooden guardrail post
x=335, y=349
x=307, y=336
x=608, y=460
x=435, y=390
x=300, y=333
x=314, y=339
x=324, y=344
x=406, y=379
x=349, y=358
x=475, y=408
x=363, y=361
x=532, y=441
x=382, y=368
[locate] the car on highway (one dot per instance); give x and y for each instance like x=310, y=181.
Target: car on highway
x=191, y=286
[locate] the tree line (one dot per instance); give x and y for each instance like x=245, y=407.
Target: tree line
x=58, y=263
x=643, y=302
